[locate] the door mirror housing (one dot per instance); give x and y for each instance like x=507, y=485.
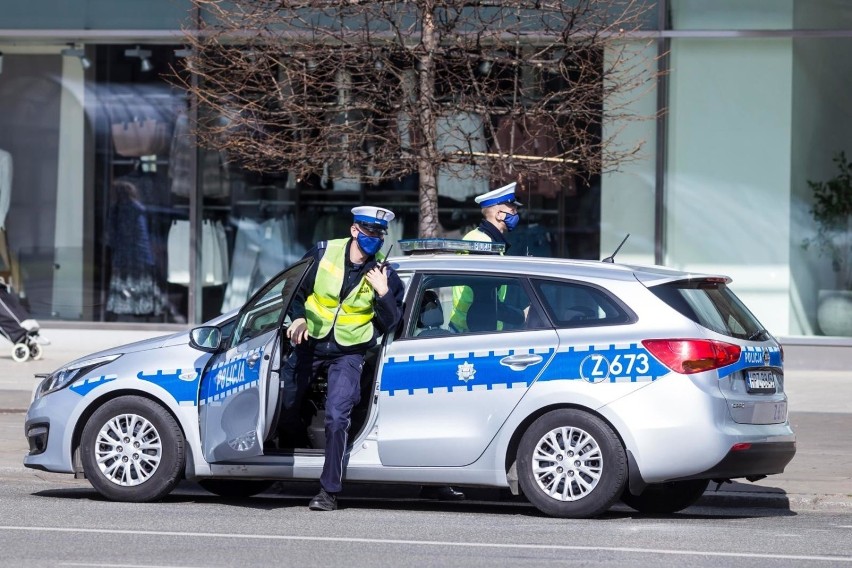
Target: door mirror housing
x=206, y=338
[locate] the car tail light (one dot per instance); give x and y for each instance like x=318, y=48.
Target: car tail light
x=689, y=356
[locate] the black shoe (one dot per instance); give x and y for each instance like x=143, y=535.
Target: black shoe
x=324, y=501
x=443, y=493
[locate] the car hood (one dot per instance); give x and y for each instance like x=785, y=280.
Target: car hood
x=180, y=338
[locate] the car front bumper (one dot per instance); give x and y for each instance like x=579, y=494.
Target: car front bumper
x=47, y=427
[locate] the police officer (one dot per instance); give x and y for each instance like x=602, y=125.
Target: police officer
x=346, y=300
x=500, y=215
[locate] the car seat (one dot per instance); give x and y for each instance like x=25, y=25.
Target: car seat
x=431, y=315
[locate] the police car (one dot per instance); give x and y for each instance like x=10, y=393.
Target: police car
x=574, y=383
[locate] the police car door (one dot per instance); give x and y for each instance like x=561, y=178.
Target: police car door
x=447, y=385
x=234, y=397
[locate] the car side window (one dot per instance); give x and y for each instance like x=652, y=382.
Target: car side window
x=572, y=304
x=262, y=313
x=458, y=304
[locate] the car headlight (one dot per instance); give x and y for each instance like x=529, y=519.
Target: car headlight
x=63, y=377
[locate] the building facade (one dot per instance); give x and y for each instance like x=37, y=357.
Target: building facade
x=109, y=213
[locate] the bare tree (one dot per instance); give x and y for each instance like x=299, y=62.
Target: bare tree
x=375, y=90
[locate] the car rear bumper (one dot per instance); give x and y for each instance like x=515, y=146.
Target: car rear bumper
x=756, y=460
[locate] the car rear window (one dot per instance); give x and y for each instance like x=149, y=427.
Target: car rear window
x=712, y=305
x=572, y=304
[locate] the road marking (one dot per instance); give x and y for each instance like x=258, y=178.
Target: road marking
x=433, y=543
x=119, y=565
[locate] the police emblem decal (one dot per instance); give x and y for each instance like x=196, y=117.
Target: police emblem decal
x=466, y=372
x=766, y=356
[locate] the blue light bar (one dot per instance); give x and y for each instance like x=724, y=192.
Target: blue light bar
x=412, y=246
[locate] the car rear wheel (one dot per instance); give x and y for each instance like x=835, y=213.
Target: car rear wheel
x=571, y=464
x=663, y=498
x=236, y=488
x=133, y=450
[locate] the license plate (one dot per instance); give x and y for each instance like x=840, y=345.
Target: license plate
x=760, y=381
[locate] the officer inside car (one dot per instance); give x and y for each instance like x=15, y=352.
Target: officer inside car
x=346, y=301
x=499, y=216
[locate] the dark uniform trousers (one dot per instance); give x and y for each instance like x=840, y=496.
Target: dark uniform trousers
x=343, y=372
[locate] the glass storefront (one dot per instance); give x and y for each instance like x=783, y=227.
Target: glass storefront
x=110, y=213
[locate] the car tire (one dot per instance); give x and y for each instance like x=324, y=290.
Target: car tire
x=664, y=498
x=109, y=439
x=558, y=483
x=236, y=488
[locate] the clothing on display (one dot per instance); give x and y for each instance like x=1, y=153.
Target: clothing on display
x=152, y=193
x=5, y=185
x=262, y=249
x=214, y=253
x=134, y=284
x=10, y=264
x=180, y=157
x=462, y=132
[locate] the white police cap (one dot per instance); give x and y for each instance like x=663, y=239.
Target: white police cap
x=374, y=218
x=505, y=194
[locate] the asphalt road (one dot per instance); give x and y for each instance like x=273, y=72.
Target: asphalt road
x=63, y=522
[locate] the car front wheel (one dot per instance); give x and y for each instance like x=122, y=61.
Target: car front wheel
x=133, y=450
x=571, y=464
x=664, y=498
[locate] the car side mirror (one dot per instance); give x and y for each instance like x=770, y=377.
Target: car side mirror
x=206, y=338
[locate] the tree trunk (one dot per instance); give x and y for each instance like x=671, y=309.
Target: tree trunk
x=428, y=153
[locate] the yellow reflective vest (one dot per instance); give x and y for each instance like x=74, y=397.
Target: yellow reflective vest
x=352, y=319
x=463, y=295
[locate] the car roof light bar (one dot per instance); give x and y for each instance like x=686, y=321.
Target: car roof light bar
x=420, y=246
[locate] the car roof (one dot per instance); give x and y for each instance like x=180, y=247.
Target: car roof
x=547, y=267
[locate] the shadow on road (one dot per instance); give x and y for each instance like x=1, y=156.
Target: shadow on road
x=273, y=500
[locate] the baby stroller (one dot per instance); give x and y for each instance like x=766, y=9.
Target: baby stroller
x=17, y=326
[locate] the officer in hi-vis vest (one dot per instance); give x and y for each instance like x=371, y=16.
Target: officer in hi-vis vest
x=347, y=299
x=500, y=214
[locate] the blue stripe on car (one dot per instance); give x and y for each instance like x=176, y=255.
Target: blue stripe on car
x=751, y=357
x=610, y=364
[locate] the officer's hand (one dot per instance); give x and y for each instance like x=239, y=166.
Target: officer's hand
x=298, y=331
x=378, y=279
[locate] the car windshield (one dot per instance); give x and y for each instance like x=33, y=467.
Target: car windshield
x=712, y=305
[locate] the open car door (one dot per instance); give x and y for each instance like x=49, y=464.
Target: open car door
x=233, y=396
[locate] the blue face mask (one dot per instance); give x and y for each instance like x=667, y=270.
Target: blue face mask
x=369, y=245
x=511, y=220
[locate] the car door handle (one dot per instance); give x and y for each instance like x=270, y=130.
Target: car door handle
x=521, y=362
x=252, y=360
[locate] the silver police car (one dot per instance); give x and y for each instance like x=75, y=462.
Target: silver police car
x=574, y=383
